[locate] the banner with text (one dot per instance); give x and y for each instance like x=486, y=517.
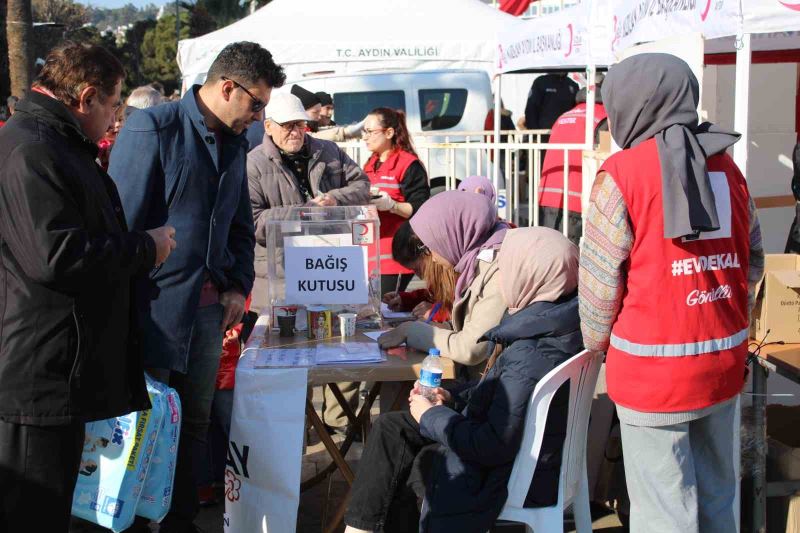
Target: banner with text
x=641, y=21
x=326, y=275
x=557, y=40
x=771, y=16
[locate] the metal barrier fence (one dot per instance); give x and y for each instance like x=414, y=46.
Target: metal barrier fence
x=451, y=158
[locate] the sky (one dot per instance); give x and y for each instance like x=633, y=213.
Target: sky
x=120, y=3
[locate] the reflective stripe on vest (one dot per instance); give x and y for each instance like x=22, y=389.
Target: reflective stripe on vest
x=387, y=185
x=556, y=190
x=679, y=350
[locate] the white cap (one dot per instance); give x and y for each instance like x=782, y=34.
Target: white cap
x=285, y=107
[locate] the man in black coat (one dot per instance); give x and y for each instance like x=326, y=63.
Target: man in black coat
x=67, y=342
x=550, y=96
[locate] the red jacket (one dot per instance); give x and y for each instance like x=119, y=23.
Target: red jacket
x=680, y=340
x=388, y=179
x=570, y=128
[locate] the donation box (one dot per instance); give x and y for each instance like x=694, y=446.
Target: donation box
x=323, y=257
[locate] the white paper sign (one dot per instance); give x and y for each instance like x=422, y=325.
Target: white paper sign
x=326, y=275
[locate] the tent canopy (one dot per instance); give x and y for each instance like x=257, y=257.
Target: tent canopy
x=345, y=36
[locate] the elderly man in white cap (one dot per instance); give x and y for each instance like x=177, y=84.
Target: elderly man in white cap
x=292, y=168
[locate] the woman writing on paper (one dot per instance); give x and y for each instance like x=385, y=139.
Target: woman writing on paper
x=420, y=302
x=399, y=185
x=457, y=235
x=458, y=452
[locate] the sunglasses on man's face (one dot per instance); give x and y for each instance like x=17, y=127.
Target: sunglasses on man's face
x=258, y=103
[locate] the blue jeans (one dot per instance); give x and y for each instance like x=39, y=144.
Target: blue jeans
x=196, y=391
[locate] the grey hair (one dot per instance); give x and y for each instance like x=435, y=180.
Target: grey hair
x=144, y=97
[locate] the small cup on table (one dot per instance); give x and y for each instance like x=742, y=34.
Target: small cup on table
x=347, y=324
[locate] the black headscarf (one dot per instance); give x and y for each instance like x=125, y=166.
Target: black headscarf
x=656, y=95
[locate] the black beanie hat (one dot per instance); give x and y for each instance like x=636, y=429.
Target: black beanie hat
x=324, y=98
x=308, y=98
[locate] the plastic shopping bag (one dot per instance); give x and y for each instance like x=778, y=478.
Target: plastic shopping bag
x=114, y=464
x=156, y=496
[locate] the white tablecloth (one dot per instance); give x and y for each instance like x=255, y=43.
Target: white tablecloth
x=265, y=452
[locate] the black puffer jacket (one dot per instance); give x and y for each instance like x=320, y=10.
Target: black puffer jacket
x=467, y=488
x=67, y=342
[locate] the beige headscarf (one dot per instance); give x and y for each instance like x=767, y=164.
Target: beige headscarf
x=536, y=265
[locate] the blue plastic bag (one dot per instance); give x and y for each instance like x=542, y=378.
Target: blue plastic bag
x=156, y=496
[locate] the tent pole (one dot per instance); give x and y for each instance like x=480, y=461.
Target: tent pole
x=741, y=103
x=590, y=99
x=496, y=127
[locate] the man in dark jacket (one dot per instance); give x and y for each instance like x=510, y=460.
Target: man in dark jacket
x=550, y=96
x=68, y=347
x=184, y=162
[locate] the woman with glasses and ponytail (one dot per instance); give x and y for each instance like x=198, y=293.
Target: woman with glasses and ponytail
x=399, y=186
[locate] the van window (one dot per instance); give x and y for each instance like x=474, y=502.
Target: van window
x=441, y=109
x=353, y=107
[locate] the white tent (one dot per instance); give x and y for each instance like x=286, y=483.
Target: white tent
x=345, y=36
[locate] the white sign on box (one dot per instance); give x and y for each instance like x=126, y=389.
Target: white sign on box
x=326, y=275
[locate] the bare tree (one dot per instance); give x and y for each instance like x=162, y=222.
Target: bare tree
x=19, y=32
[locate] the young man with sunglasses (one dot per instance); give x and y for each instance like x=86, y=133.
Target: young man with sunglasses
x=184, y=163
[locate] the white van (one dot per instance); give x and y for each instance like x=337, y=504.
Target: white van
x=444, y=102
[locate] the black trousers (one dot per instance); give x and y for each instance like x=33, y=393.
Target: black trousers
x=391, y=476
x=389, y=282
x=38, y=471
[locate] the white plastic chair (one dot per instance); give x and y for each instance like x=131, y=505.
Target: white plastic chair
x=582, y=371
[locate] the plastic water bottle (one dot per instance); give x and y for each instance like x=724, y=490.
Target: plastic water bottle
x=430, y=377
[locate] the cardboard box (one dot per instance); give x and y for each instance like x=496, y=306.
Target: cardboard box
x=777, y=307
x=605, y=142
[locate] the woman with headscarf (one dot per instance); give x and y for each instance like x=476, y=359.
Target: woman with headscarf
x=671, y=253
x=456, y=236
x=419, y=301
x=458, y=452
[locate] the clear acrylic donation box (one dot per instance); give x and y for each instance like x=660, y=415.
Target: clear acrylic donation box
x=324, y=257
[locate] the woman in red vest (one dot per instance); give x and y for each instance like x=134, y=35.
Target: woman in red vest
x=671, y=254
x=399, y=186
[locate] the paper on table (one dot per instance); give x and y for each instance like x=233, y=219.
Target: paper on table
x=349, y=352
x=388, y=313
x=284, y=357
x=374, y=335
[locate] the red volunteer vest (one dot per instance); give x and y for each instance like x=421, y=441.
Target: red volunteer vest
x=680, y=340
x=569, y=128
x=388, y=178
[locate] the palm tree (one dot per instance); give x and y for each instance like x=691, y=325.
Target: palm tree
x=19, y=32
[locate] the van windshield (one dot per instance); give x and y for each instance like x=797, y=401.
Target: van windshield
x=353, y=107
x=440, y=109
